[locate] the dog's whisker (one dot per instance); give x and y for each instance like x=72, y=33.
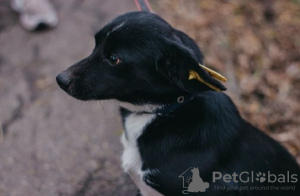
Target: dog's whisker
x=100, y=102
x=91, y=90
x=94, y=94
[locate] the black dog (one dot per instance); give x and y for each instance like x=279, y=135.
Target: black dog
x=175, y=119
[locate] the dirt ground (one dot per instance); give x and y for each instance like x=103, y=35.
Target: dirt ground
x=55, y=145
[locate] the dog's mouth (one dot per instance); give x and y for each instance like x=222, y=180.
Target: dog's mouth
x=83, y=93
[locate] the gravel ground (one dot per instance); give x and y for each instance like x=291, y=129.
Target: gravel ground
x=53, y=144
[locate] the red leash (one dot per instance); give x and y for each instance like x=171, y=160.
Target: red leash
x=143, y=5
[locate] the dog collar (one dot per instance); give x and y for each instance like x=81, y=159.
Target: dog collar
x=167, y=110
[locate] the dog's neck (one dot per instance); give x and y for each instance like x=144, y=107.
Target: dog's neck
x=144, y=108
x=159, y=109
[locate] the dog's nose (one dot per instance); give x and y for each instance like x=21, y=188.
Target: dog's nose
x=63, y=79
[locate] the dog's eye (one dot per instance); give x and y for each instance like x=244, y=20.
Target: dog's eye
x=113, y=59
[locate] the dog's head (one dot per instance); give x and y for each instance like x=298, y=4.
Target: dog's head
x=138, y=58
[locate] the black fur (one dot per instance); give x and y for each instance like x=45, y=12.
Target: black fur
x=207, y=132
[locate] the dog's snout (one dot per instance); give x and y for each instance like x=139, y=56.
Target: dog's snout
x=63, y=79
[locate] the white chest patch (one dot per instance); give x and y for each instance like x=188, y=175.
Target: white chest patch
x=131, y=159
x=134, y=126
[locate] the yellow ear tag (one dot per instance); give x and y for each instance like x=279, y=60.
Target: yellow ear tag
x=214, y=74
x=194, y=75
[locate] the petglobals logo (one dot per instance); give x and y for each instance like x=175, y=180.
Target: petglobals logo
x=192, y=181
x=246, y=177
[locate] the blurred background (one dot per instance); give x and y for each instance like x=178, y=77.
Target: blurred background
x=55, y=145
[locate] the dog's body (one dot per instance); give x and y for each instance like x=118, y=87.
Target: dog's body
x=173, y=123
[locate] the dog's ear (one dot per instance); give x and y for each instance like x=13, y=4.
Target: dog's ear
x=181, y=68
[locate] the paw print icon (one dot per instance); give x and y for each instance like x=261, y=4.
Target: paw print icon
x=260, y=177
